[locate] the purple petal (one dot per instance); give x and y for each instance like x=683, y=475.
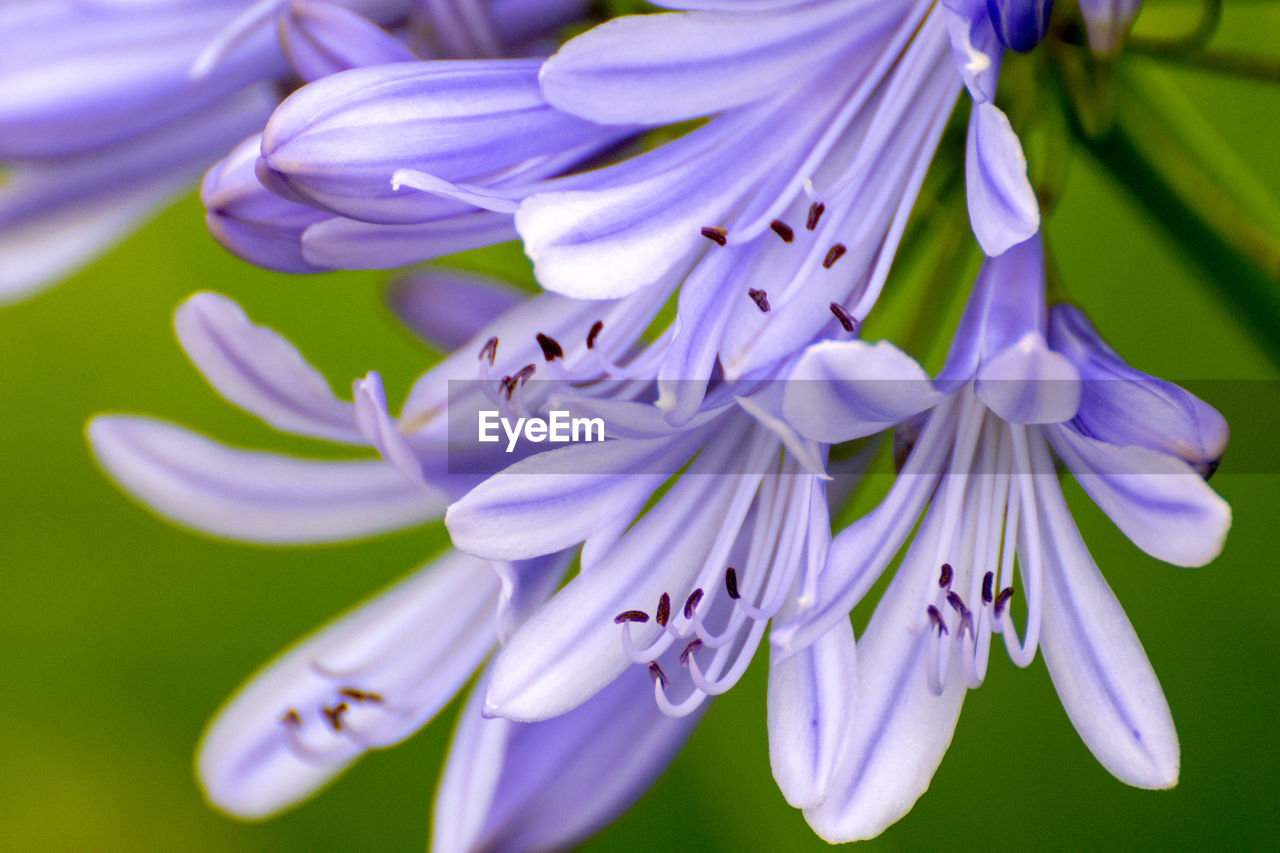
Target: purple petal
x=56, y=215
x=380, y=430
x=75, y=77
x=1123, y=406
x=320, y=39
x=1006, y=304
x=382, y=670
x=512, y=786
x=1002, y=205
x=250, y=221
x=975, y=47
x=810, y=705
x=339, y=140
x=339, y=243
x=841, y=390
x=1159, y=501
x=446, y=308
x=656, y=69
x=540, y=506
x=901, y=729
x=254, y=496
x=1028, y=383
x=1097, y=664
x=256, y=369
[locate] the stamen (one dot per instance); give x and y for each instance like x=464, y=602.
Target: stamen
x=944, y=579
x=656, y=673
x=334, y=715
x=290, y=718
x=966, y=623
x=490, y=350
x=716, y=235
x=522, y=375
x=760, y=298
x=783, y=230
x=631, y=616
x=508, y=384
x=691, y=604
x=361, y=695
x=935, y=616
x=845, y=318
x=956, y=602
x=731, y=583
x=987, y=580
x=689, y=650
x=815, y=213
x=664, y=610
x=1002, y=599
x=594, y=333
x=833, y=254
x=550, y=347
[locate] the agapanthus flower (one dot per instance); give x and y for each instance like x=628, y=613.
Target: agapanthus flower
x=383, y=671
x=111, y=109
x=777, y=219
x=684, y=589
x=981, y=475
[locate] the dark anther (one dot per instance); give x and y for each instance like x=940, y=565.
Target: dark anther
x=688, y=650
x=691, y=603
x=664, y=610
x=334, y=715
x=935, y=616
x=291, y=719
x=656, y=673
x=815, y=213
x=523, y=374
x=783, y=230
x=631, y=616
x=361, y=695
x=845, y=318
x=594, y=333
x=716, y=235
x=731, y=582
x=987, y=580
x=1002, y=599
x=966, y=623
x=944, y=579
x=760, y=298
x=956, y=602
x=490, y=350
x=550, y=347
x=833, y=254
x=509, y=385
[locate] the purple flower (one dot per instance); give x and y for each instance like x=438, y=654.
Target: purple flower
x=683, y=589
x=981, y=466
x=788, y=200
x=110, y=109
x=384, y=670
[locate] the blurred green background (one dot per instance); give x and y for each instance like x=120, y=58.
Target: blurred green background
x=122, y=634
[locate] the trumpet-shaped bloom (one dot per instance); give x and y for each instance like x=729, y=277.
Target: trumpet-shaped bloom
x=378, y=674
x=821, y=120
x=996, y=534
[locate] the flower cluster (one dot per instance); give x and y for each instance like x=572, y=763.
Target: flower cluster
x=713, y=199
